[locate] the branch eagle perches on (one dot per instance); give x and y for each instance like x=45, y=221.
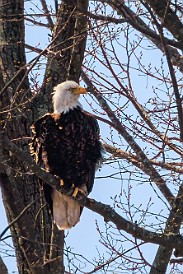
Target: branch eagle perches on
x=109, y=214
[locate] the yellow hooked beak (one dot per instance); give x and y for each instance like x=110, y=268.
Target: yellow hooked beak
x=79, y=90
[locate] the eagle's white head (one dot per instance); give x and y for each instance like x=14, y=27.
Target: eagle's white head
x=66, y=96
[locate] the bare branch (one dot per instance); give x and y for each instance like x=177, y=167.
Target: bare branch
x=116, y=152
x=167, y=12
x=141, y=26
x=150, y=170
x=141, y=110
x=47, y=13
x=106, y=211
x=169, y=18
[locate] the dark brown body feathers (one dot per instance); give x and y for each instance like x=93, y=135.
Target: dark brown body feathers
x=67, y=145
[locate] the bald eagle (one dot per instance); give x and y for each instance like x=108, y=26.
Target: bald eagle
x=66, y=142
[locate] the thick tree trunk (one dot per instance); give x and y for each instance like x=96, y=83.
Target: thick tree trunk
x=32, y=234
x=3, y=268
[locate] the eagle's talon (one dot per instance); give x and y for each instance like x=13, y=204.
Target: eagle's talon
x=76, y=190
x=61, y=182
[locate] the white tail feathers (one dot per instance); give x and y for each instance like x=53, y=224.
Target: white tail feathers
x=66, y=211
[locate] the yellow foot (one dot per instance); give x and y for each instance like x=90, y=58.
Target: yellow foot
x=76, y=190
x=61, y=182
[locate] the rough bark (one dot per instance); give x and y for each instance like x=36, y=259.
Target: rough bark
x=3, y=268
x=18, y=189
x=168, y=17
x=66, y=51
x=169, y=239
x=38, y=245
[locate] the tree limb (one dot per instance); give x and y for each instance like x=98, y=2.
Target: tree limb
x=149, y=169
x=169, y=240
x=168, y=17
x=137, y=23
x=119, y=153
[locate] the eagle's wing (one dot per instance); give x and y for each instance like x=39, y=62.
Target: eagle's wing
x=93, y=149
x=68, y=146
x=40, y=130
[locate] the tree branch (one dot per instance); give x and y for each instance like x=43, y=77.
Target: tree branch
x=178, y=98
x=47, y=14
x=170, y=241
x=168, y=17
x=143, y=113
x=133, y=159
x=148, y=167
x=137, y=23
